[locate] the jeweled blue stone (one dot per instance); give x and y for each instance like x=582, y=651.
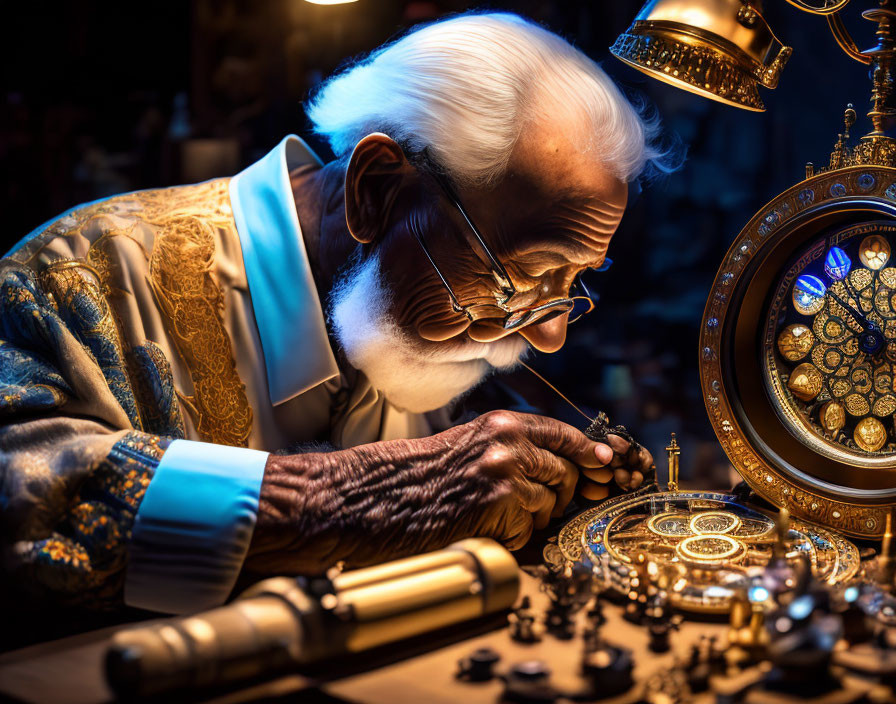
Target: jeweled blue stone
x=837, y=263
x=811, y=285
x=806, y=196
x=865, y=181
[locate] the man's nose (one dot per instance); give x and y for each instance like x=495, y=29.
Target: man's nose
x=546, y=336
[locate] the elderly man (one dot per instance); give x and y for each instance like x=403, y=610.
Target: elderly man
x=156, y=346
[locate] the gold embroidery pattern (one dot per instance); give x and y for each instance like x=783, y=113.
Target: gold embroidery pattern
x=83, y=560
x=70, y=224
x=180, y=274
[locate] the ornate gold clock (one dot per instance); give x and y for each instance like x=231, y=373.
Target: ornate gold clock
x=798, y=349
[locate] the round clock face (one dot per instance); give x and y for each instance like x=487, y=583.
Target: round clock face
x=830, y=342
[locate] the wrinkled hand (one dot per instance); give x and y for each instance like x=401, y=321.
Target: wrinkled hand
x=500, y=476
x=631, y=465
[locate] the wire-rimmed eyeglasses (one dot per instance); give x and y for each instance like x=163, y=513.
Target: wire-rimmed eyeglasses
x=580, y=301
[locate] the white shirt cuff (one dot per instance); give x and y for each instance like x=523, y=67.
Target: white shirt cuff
x=193, y=527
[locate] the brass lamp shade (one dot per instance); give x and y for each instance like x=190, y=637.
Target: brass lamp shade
x=720, y=49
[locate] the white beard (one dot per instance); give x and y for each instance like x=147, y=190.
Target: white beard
x=414, y=374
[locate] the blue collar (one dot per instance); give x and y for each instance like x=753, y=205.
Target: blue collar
x=288, y=312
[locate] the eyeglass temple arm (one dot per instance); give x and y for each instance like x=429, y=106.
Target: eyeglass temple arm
x=454, y=302
x=455, y=200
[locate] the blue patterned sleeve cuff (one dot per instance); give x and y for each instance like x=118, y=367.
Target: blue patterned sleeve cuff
x=193, y=527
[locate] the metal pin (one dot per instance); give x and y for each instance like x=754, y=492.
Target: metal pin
x=674, y=451
x=783, y=529
x=888, y=551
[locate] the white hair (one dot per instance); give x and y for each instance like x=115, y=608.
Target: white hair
x=465, y=87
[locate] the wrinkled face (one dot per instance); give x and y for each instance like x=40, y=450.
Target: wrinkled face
x=550, y=218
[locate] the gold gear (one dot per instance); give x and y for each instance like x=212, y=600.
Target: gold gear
x=795, y=342
x=870, y=434
x=805, y=382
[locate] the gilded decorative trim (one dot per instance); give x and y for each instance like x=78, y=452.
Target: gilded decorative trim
x=875, y=150
x=766, y=479
x=701, y=67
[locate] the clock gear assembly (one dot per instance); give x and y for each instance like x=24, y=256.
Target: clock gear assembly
x=704, y=550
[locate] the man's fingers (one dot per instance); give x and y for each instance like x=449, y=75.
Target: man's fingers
x=594, y=492
x=646, y=461
x=552, y=441
x=520, y=532
x=558, y=473
x=601, y=475
x=623, y=478
x=567, y=489
x=541, y=517
x=630, y=468
x=566, y=441
x=603, y=453
x=619, y=445
x=621, y=448
x=508, y=522
x=533, y=497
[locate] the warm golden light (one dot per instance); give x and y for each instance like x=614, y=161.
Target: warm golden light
x=330, y=2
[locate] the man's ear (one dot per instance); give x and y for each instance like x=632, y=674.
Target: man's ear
x=373, y=179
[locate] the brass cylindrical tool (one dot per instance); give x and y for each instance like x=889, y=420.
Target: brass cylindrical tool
x=284, y=622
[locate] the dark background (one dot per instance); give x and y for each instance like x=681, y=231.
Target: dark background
x=105, y=97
